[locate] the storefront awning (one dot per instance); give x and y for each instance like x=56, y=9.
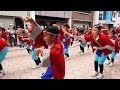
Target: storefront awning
x=106, y=22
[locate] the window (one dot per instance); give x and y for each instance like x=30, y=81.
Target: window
x=100, y=16
x=114, y=14
x=118, y=13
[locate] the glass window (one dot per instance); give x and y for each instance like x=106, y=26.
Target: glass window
x=100, y=16
x=118, y=13
x=114, y=14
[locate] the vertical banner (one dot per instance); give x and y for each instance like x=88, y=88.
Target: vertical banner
x=104, y=15
x=109, y=15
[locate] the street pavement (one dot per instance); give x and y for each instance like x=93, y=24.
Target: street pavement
x=18, y=65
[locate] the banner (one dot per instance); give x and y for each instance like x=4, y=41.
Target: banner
x=107, y=15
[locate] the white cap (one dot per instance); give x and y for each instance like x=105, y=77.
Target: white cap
x=10, y=24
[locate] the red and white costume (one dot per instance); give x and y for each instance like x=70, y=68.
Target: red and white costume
x=53, y=56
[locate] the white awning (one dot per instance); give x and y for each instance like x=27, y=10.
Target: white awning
x=106, y=22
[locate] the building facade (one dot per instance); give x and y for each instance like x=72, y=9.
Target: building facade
x=117, y=18
x=73, y=18
x=80, y=18
x=12, y=17
x=48, y=18
x=112, y=18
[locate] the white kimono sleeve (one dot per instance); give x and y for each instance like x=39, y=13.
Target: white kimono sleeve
x=36, y=32
x=46, y=58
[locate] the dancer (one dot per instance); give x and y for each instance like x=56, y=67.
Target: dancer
x=3, y=53
x=82, y=45
x=66, y=41
x=3, y=34
x=114, y=39
x=53, y=57
x=20, y=41
x=71, y=39
x=35, y=58
x=101, y=45
x=88, y=33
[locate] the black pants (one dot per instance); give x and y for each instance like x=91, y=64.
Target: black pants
x=29, y=50
x=100, y=66
x=20, y=46
x=112, y=60
x=71, y=43
x=11, y=40
x=67, y=55
x=88, y=46
x=37, y=61
x=1, y=68
x=82, y=49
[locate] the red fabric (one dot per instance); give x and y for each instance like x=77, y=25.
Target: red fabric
x=103, y=40
x=26, y=38
x=68, y=41
x=105, y=32
x=89, y=32
x=56, y=56
x=19, y=37
x=29, y=42
x=57, y=60
x=116, y=44
x=2, y=43
x=4, y=36
x=67, y=38
x=71, y=32
x=30, y=30
x=39, y=41
x=117, y=30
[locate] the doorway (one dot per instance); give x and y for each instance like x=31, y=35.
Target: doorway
x=19, y=23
